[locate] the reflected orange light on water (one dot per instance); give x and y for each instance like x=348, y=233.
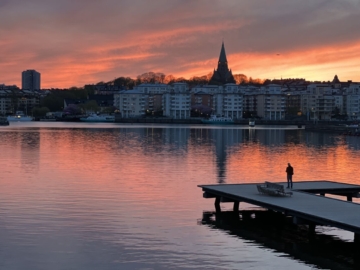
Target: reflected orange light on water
x=138, y=166
x=253, y=164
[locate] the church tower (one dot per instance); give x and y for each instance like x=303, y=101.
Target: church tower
x=222, y=74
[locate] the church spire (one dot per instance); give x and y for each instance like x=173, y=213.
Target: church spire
x=222, y=57
x=222, y=74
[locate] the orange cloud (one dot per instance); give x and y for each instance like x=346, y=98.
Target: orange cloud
x=320, y=63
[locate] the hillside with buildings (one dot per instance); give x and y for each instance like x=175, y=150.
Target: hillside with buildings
x=219, y=92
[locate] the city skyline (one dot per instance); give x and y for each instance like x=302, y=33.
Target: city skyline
x=73, y=44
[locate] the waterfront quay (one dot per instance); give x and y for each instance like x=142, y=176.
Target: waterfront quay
x=331, y=127
x=307, y=205
x=322, y=126
x=169, y=120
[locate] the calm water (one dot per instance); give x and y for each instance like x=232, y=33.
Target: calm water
x=112, y=196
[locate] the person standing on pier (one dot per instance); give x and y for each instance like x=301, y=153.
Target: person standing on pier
x=289, y=171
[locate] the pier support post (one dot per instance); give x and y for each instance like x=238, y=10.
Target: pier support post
x=356, y=253
x=312, y=227
x=236, y=206
x=245, y=215
x=349, y=198
x=357, y=240
x=217, y=204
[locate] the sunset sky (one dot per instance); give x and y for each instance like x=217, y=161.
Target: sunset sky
x=77, y=42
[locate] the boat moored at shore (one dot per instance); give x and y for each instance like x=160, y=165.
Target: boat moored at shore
x=251, y=123
x=98, y=118
x=19, y=117
x=219, y=120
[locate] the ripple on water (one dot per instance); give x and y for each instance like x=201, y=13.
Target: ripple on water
x=121, y=196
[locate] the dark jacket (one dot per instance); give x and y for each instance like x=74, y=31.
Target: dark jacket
x=290, y=170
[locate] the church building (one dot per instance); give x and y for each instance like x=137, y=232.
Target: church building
x=222, y=74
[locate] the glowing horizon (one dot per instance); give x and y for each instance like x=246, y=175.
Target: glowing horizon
x=73, y=44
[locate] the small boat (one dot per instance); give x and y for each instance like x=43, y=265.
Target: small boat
x=251, y=123
x=19, y=117
x=3, y=121
x=219, y=120
x=98, y=118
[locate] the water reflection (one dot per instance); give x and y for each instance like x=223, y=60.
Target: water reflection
x=273, y=231
x=109, y=195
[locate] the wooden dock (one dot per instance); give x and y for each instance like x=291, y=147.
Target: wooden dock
x=308, y=204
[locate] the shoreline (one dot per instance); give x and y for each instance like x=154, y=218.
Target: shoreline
x=198, y=121
x=340, y=127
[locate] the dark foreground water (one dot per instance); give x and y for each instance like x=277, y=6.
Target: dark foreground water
x=108, y=196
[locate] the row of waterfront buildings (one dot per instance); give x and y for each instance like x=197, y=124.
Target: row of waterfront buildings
x=273, y=101
x=222, y=96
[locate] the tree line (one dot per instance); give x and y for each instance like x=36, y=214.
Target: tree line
x=158, y=77
x=55, y=100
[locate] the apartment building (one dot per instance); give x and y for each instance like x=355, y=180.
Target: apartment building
x=228, y=101
x=131, y=103
x=293, y=103
x=154, y=93
x=353, y=101
x=317, y=101
x=30, y=80
x=13, y=99
x=153, y=106
x=177, y=102
x=209, y=89
x=202, y=98
x=250, y=105
x=271, y=106
x=271, y=102
x=153, y=88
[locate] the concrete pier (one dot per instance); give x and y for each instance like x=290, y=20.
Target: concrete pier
x=308, y=204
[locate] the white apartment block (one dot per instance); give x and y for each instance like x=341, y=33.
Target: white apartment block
x=218, y=104
x=208, y=89
x=176, y=103
x=353, y=89
x=152, y=88
x=233, y=106
x=249, y=89
x=353, y=101
x=320, y=89
x=271, y=89
x=229, y=103
x=271, y=102
x=131, y=103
